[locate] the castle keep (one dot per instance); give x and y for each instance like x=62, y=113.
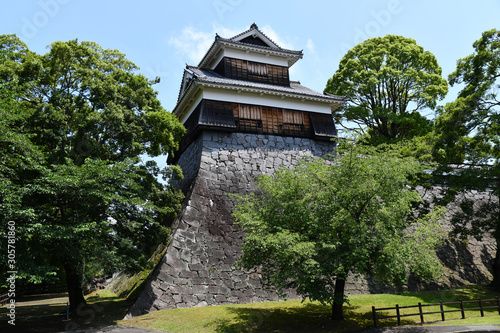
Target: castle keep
x=244, y=117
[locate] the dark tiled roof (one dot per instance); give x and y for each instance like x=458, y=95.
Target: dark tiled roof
x=279, y=49
x=209, y=76
x=233, y=41
x=254, y=27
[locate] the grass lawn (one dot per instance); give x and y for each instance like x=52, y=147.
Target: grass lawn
x=47, y=313
x=105, y=308
x=295, y=316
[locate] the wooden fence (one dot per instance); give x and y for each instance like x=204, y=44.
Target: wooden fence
x=33, y=290
x=4, y=299
x=482, y=305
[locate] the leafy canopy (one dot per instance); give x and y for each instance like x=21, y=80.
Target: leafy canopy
x=79, y=117
x=386, y=82
x=469, y=127
x=311, y=226
x=468, y=131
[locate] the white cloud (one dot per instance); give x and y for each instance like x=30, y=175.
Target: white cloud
x=269, y=32
x=310, y=46
x=192, y=43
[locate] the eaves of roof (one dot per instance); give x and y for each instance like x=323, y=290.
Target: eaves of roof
x=208, y=78
x=223, y=42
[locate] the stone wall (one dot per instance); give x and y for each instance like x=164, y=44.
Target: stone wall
x=199, y=267
x=465, y=262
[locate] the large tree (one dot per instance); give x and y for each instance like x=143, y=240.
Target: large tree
x=386, y=82
x=87, y=196
x=312, y=226
x=468, y=141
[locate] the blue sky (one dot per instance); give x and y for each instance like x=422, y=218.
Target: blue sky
x=162, y=36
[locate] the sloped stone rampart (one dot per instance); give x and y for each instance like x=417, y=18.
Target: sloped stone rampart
x=199, y=266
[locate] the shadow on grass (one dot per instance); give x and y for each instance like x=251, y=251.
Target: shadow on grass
x=49, y=314
x=307, y=318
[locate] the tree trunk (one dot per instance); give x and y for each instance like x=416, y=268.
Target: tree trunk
x=496, y=266
x=74, y=284
x=338, y=299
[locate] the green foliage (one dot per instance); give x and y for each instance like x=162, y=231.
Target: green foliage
x=311, y=226
x=469, y=127
x=468, y=131
x=73, y=125
x=387, y=81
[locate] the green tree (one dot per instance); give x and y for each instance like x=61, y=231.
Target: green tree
x=386, y=82
x=88, y=197
x=312, y=226
x=468, y=131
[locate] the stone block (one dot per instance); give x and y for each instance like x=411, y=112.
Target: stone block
x=218, y=254
x=177, y=298
x=196, y=267
x=240, y=285
x=220, y=298
x=254, y=283
x=187, y=274
x=203, y=273
x=185, y=255
x=214, y=289
x=189, y=298
x=199, y=289
x=200, y=281
x=182, y=290
x=203, y=303
x=176, y=264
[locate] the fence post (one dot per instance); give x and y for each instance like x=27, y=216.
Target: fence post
x=481, y=308
x=442, y=310
x=67, y=310
x=498, y=305
x=421, y=314
x=397, y=314
x=462, y=308
x=374, y=317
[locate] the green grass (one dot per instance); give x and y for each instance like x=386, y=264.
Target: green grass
x=47, y=313
x=295, y=316
x=106, y=308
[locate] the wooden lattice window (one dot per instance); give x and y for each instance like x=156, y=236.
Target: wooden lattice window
x=293, y=117
x=293, y=122
x=250, y=118
x=236, y=69
x=253, y=71
x=257, y=69
x=253, y=112
x=216, y=113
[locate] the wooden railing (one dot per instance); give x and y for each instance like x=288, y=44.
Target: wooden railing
x=481, y=307
x=4, y=299
x=33, y=290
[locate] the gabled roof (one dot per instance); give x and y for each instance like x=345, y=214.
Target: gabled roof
x=205, y=77
x=251, y=40
x=254, y=32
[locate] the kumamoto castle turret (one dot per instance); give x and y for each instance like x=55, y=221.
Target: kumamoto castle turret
x=244, y=117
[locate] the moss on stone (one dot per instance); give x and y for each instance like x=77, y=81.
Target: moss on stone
x=129, y=286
